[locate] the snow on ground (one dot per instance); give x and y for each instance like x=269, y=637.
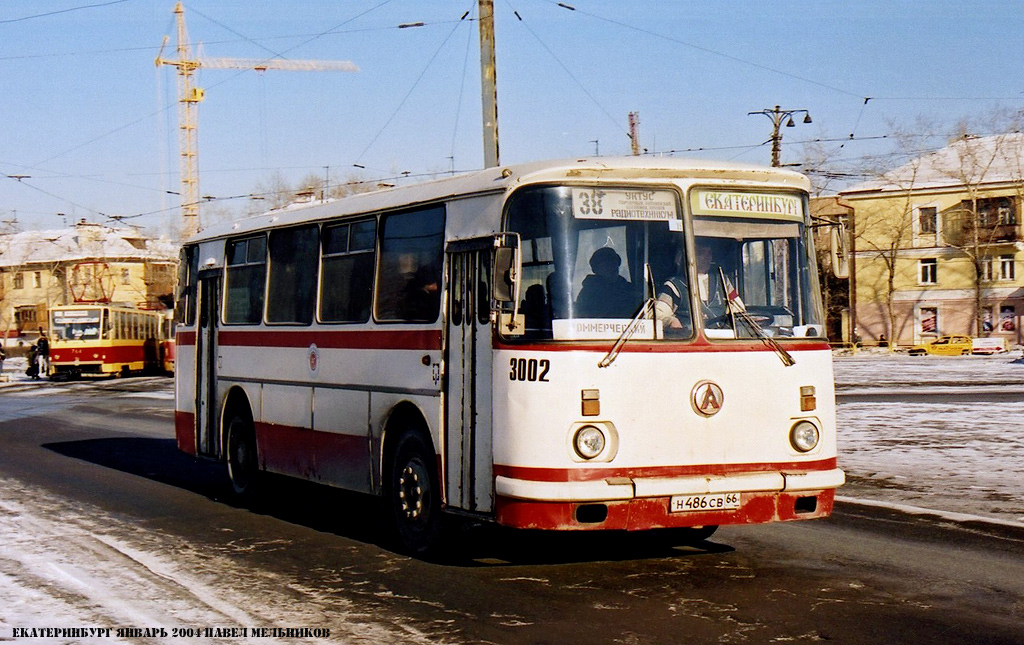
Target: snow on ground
x=68, y=566
x=947, y=453
x=936, y=433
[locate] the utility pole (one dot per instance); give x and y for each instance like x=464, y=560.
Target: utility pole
x=488, y=84
x=189, y=97
x=777, y=116
x=634, y=133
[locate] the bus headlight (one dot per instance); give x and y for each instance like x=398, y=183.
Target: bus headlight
x=804, y=436
x=589, y=442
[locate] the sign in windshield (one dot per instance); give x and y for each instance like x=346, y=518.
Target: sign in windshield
x=76, y=324
x=625, y=205
x=743, y=204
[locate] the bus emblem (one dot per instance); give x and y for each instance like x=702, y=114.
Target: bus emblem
x=314, y=359
x=707, y=398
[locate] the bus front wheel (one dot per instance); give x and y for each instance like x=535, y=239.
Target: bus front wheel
x=414, y=503
x=243, y=467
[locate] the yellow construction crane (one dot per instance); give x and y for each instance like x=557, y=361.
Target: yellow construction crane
x=189, y=96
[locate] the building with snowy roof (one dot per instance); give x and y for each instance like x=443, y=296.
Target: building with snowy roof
x=935, y=244
x=83, y=263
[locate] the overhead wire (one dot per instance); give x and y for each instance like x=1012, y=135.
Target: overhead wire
x=405, y=98
x=462, y=88
x=566, y=69
x=60, y=11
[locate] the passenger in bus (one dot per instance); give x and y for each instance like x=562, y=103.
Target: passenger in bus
x=423, y=296
x=605, y=293
x=536, y=309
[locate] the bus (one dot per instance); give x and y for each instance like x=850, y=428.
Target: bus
x=99, y=339
x=597, y=344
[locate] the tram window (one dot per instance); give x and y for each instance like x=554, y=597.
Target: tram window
x=411, y=254
x=246, y=274
x=346, y=284
x=291, y=290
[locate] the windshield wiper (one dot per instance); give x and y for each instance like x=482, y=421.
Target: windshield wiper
x=737, y=309
x=627, y=333
x=647, y=307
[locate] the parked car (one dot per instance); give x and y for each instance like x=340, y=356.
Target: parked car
x=945, y=346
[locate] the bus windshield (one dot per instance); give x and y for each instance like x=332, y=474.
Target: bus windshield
x=76, y=324
x=596, y=258
x=754, y=278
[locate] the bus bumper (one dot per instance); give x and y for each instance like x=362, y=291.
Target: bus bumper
x=642, y=504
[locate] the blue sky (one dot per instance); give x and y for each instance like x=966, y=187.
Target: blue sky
x=91, y=122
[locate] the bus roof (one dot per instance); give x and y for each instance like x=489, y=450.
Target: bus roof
x=506, y=178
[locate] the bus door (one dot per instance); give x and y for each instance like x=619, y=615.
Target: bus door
x=206, y=365
x=468, y=357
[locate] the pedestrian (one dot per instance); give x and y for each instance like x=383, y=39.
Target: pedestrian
x=3, y=355
x=32, y=371
x=43, y=352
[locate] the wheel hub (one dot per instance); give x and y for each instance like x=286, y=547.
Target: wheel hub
x=410, y=490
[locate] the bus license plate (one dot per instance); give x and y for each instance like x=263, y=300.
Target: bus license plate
x=716, y=502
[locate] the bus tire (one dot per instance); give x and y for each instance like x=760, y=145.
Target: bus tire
x=242, y=460
x=413, y=496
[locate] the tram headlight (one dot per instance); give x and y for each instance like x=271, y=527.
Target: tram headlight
x=589, y=442
x=804, y=436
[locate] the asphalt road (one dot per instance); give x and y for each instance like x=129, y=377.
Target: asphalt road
x=96, y=463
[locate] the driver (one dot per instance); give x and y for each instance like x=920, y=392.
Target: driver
x=672, y=306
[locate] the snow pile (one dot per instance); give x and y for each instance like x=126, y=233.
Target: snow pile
x=957, y=445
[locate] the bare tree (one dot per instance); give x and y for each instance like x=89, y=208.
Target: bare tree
x=980, y=223
x=885, y=231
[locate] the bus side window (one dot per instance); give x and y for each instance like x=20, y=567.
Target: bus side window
x=246, y=277
x=411, y=255
x=291, y=290
x=346, y=284
x=188, y=271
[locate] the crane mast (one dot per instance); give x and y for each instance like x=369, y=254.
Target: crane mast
x=189, y=97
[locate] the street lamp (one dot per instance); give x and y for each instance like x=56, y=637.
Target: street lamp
x=778, y=115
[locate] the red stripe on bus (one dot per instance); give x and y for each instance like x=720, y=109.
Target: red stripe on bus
x=391, y=339
x=636, y=346
x=185, y=432
x=430, y=339
x=530, y=473
x=316, y=455
x=652, y=513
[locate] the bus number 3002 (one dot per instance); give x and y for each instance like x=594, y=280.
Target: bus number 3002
x=522, y=369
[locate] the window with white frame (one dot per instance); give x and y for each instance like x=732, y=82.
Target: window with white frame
x=1006, y=263
x=928, y=271
x=929, y=320
x=926, y=219
x=1007, y=318
x=987, y=273
x=37, y=279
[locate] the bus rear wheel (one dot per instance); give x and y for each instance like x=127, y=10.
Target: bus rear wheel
x=243, y=465
x=413, y=497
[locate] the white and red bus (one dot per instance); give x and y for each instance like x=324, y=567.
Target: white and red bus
x=522, y=345
x=98, y=339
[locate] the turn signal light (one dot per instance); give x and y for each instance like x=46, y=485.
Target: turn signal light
x=808, y=401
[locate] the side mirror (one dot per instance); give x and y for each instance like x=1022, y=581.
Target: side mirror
x=506, y=274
